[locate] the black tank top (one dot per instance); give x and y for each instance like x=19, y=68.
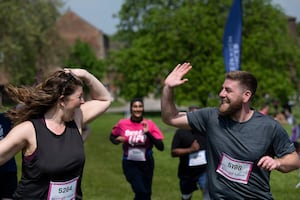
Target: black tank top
x=58, y=158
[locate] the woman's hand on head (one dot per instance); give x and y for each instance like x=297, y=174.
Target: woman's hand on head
x=76, y=71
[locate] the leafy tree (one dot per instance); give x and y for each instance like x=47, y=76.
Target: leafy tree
x=26, y=37
x=158, y=34
x=82, y=56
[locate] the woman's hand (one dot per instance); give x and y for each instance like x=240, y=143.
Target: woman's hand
x=145, y=126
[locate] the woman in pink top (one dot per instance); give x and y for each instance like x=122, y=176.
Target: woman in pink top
x=138, y=136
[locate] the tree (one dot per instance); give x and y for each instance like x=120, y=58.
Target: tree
x=27, y=40
x=82, y=56
x=156, y=35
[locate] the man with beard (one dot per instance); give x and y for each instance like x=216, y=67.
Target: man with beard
x=243, y=145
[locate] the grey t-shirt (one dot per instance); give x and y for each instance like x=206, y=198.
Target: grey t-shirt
x=234, y=149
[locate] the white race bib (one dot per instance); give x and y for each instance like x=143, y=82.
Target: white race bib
x=136, y=154
x=197, y=158
x=62, y=190
x=235, y=170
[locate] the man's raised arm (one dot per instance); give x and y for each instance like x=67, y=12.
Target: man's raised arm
x=169, y=112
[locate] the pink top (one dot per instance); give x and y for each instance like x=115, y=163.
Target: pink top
x=134, y=135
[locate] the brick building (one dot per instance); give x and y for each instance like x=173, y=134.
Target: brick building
x=71, y=27
x=292, y=26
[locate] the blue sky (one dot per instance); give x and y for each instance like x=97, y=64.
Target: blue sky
x=97, y=12
x=100, y=12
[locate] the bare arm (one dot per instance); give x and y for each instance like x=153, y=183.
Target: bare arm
x=183, y=151
x=21, y=137
x=170, y=114
x=284, y=164
x=100, y=97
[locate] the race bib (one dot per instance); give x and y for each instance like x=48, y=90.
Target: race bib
x=235, y=170
x=62, y=190
x=136, y=154
x=197, y=158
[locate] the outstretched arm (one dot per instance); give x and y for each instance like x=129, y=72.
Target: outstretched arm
x=21, y=137
x=170, y=114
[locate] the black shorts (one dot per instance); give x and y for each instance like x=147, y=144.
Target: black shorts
x=8, y=184
x=188, y=185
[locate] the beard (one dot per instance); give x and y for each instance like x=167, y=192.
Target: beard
x=228, y=108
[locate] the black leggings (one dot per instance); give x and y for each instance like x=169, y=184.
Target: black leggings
x=139, y=174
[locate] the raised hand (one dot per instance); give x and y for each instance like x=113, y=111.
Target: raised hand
x=175, y=78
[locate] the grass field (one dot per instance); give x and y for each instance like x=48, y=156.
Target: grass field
x=103, y=178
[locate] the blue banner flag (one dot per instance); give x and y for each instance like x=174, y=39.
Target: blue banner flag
x=232, y=38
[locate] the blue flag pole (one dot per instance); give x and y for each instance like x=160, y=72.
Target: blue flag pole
x=232, y=38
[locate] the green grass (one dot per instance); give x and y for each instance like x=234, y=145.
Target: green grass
x=103, y=178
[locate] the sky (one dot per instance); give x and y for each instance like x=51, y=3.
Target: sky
x=100, y=13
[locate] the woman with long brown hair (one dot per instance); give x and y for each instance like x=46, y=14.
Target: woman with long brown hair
x=48, y=131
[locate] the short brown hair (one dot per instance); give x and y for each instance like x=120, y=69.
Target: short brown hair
x=245, y=78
